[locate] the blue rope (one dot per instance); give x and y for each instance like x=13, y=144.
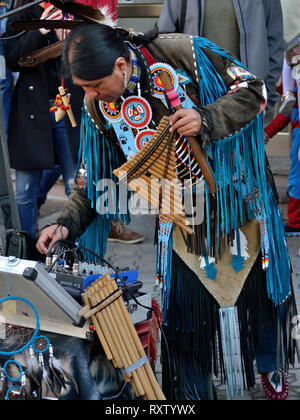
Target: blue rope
x=20, y=299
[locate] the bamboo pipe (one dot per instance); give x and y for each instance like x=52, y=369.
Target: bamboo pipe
x=154, y=194
x=105, y=328
x=183, y=224
x=141, y=351
x=150, y=395
x=99, y=332
x=195, y=146
x=155, y=188
x=138, y=375
x=158, y=156
x=87, y=312
x=122, y=344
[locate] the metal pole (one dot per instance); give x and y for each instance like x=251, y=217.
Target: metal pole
x=7, y=194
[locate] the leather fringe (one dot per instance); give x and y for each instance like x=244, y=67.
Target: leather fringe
x=191, y=343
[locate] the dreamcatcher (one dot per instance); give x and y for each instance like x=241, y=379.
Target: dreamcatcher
x=24, y=372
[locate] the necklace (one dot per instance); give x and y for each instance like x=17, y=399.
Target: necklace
x=131, y=117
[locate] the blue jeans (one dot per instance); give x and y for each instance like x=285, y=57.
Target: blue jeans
x=7, y=90
x=32, y=186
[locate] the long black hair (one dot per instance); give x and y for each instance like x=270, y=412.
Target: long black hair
x=90, y=50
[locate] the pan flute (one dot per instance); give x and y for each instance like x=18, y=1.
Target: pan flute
x=106, y=309
x=151, y=173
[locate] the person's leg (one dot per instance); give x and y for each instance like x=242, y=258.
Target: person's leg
x=287, y=80
x=298, y=94
x=288, y=96
x=270, y=359
x=27, y=184
x=48, y=179
x=7, y=90
x=63, y=153
x=293, y=223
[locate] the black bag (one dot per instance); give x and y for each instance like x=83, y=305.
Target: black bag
x=22, y=245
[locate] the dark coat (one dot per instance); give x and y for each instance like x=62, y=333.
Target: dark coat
x=30, y=139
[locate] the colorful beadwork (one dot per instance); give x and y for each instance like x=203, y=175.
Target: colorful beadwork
x=158, y=88
x=143, y=137
x=136, y=112
x=110, y=111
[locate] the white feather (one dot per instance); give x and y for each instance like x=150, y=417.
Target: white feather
x=108, y=17
x=243, y=244
x=203, y=261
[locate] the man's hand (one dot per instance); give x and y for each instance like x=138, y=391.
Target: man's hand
x=57, y=15
x=49, y=235
x=187, y=122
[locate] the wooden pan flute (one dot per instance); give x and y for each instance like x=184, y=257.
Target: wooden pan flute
x=106, y=309
x=151, y=173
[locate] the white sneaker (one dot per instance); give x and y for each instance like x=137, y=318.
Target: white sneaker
x=288, y=102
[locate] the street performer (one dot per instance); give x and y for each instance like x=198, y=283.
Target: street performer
x=227, y=293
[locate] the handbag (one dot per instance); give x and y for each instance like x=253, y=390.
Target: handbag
x=21, y=245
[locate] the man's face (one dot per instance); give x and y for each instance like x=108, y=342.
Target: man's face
x=107, y=89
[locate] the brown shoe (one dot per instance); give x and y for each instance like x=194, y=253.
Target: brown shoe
x=121, y=233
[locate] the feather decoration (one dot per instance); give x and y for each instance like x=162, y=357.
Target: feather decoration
x=81, y=12
x=56, y=367
x=34, y=373
x=54, y=371
x=25, y=392
x=3, y=385
x=63, y=375
x=48, y=377
x=239, y=251
x=86, y=13
x=208, y=265
x=42, y=55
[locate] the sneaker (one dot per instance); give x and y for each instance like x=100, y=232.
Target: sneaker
x=275, y=385
x=288, y=102
x=121, y=233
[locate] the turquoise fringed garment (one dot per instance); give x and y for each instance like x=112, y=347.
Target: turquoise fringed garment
x=241, y=157
x=100, y=157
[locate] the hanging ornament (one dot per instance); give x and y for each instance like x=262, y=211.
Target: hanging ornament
x=158, y=88
x=136, y=112
x=238, y=251
x=164, y=251
x=143, y=137
x=111, y=112
x=208, y=265
x=62, y=106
